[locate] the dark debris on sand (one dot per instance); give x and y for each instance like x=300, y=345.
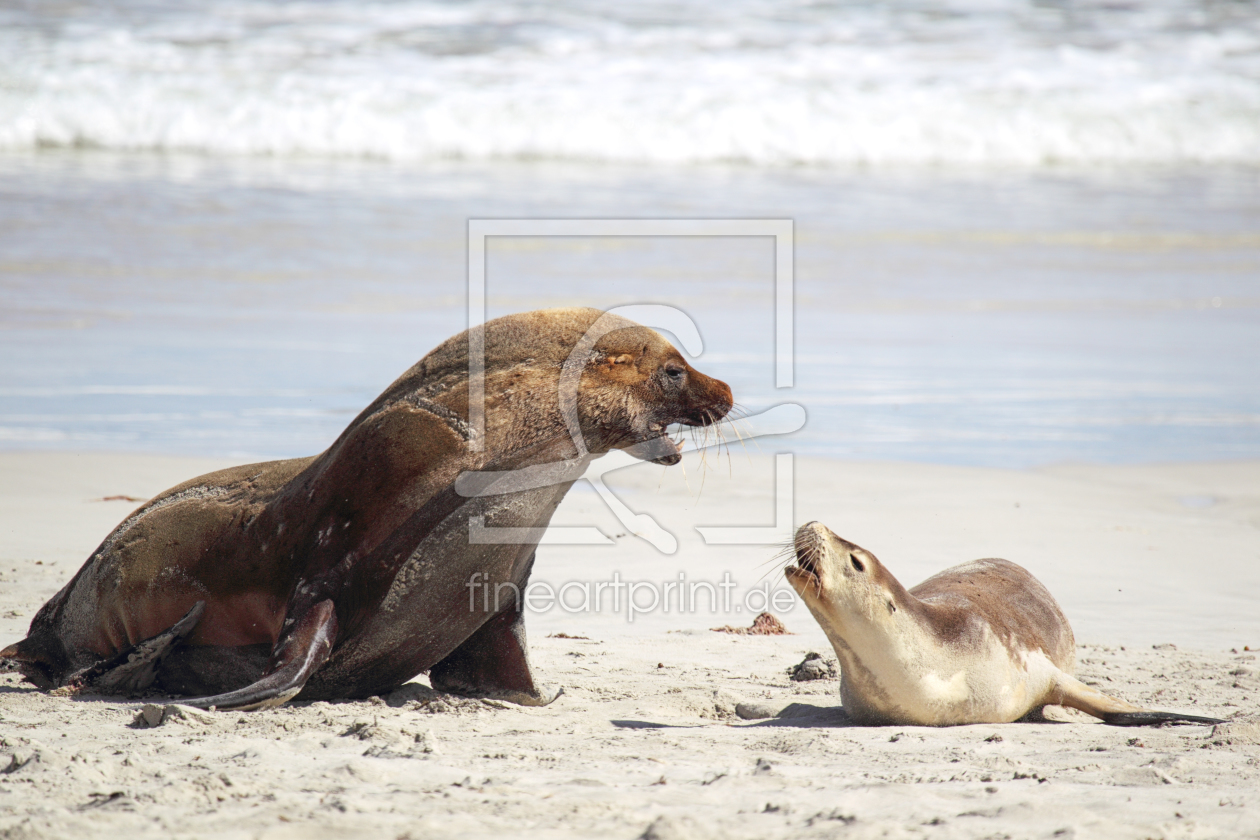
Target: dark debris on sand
x=765, y=624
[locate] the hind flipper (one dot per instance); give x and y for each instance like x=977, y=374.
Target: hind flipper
x=1075, y=694
x=493, y=663
x=1148, y=718
x=299, y=653
x=133, y=670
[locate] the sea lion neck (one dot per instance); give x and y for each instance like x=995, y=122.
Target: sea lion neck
x=882, y=633
x=876, y=637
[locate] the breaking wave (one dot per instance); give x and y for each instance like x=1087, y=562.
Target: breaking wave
x=764, y=83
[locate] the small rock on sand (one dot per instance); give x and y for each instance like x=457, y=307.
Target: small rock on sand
x=814, y=667
x=758, y=709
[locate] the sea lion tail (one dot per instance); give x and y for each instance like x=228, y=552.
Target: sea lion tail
x=1075, y=694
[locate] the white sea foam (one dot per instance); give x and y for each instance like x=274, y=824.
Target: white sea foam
x=961, y=82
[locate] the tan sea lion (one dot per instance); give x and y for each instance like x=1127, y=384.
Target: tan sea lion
x=983, y=642
x=348, y=573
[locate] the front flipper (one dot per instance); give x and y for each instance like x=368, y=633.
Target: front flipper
x=133, y=670
x=493, y=663
x=299, y=653
x=1074, y=693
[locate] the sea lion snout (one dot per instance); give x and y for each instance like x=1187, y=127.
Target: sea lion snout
x=705, y=400
x=829, y=567
x=810, y=545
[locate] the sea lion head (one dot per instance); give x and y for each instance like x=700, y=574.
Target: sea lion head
x=635, y=386
x=847, y=589
x=569, y=382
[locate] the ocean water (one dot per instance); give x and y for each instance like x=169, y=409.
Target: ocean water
x=946, y=82
x=1025, y=232
x=252, y=308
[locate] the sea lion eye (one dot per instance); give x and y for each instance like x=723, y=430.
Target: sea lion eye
x=857, y=564
x=675, y=371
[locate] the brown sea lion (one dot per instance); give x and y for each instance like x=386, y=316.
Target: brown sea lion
x=345, y=574
x=983, y=642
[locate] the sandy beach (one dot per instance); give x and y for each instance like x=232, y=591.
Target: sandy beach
x=662, y=731
x=1007, y=277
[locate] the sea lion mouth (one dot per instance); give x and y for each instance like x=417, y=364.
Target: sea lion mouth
x=807, y=563
x=666, y=450
x=695, y=419
x=655, y=443
x=656, y=447
x=808, y=579
x=808, y=569
x=671, y=458
x=808, y=548
x=36, y=673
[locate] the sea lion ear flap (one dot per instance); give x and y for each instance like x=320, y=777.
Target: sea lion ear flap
x=622, y=359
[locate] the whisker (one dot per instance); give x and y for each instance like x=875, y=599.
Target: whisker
x=767, y=573
x=783, y=553
x=724, y=444
x=743, y=444
x=751, y=437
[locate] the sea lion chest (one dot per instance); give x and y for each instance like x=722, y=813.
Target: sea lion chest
x=471, y=565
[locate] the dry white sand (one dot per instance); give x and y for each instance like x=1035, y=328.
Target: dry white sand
x=1158, y=568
